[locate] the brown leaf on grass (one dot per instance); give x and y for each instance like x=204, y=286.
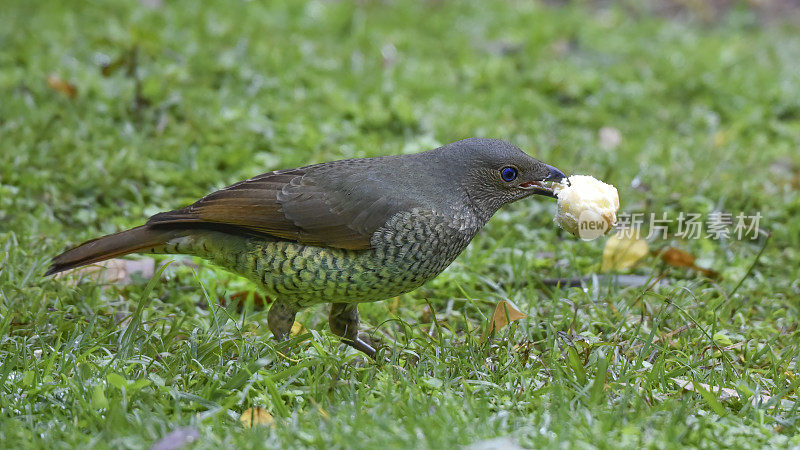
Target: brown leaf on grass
x=708, y=272
x=677, y=258
x=504, y=314
x=680, y=258
x=623, y=250
x=256, y=416
x=427, y=315
x=124, y=60
x=59, y=85
x=240, y=298
x=117, y=271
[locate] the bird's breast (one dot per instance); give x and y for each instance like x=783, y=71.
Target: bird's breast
x=411, y=248
x=415, y=246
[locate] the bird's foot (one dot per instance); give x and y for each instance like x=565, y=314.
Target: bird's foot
x=361, y=345
x=344, y=322
x=280, y=319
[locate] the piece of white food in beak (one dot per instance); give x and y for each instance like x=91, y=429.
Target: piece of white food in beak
x=587, y=207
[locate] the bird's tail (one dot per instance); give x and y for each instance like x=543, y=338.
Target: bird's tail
x=117, y=244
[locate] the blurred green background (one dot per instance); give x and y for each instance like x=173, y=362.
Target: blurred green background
x=112, y=111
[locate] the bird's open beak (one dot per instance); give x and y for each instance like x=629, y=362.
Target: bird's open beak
x=544, y=186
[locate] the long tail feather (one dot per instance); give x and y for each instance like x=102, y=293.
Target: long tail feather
x=113, y=245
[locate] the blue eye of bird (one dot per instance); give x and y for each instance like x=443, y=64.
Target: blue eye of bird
x=509, y=174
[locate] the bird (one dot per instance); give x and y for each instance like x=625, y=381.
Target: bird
x=341, y=232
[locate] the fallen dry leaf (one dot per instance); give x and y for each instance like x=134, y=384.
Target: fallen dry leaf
x=679, y=258
x=504, y=314
x=297, y=329
x=126, y=59
x=57, y=84
x=117, y=271
x=427, y=315
x=707, y=272
x=239, y=298
x=623, y=250
x=256, y=416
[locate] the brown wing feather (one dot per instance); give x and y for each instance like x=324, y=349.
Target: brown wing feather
x=251, y=204
x=333, y=204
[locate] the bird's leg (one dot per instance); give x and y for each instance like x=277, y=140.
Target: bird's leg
x=280, y=319
x=343, y=320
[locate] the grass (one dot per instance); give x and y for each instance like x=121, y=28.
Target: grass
x=176, y=99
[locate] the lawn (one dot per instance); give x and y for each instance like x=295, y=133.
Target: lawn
x=113, y=111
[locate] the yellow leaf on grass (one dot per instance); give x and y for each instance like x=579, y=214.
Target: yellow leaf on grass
x=623, y=250
x=297, y=329
x=255, y=416
x=504, y=314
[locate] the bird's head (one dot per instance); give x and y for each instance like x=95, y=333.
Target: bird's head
x=493, y=172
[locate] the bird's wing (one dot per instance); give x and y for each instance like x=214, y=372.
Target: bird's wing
x=313, y=205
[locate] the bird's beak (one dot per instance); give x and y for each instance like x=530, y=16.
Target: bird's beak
x=544, y=186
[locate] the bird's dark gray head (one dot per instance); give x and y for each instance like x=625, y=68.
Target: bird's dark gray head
x=493, y=172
